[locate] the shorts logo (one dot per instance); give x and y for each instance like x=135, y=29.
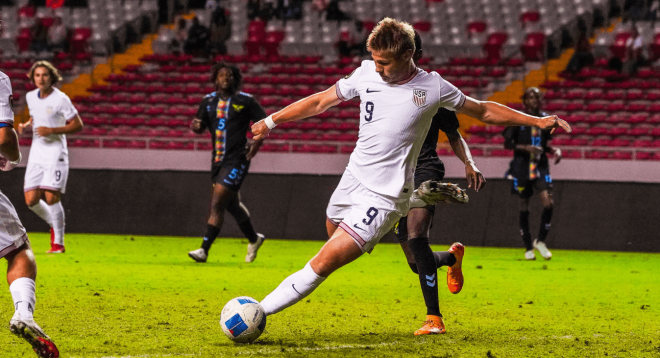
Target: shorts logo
x=419, y=98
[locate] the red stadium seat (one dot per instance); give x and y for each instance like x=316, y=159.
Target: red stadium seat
x=530, y=16
x=493, y=45
x=618, y=47
x=654, y=48
x=476, y=27
x=533, y=48
x=643, y=155
x=621, y=155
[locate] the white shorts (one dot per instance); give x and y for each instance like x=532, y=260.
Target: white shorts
x=12, y=232
x=47, y=177
x=365, y=215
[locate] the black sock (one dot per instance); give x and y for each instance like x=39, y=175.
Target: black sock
x=211, y=233
x=428, y=273
x=524, y=230
x=444, y=258
x=413, y=267
x=248, y=230
x=545, y=223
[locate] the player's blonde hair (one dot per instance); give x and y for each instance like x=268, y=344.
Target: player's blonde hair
x=393, y=36
x=52, y=71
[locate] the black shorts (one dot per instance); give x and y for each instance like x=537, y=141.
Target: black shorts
x=524, y=187
x=429, y=170
x=230, y=175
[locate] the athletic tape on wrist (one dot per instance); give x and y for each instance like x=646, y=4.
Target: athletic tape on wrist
x=269, y=122
x=18, y=161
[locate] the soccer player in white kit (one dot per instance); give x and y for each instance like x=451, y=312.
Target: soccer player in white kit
x=14, y=243
x=398, y=102
x=53, y=116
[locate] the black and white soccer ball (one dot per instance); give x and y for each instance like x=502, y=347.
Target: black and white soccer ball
x=243, y=319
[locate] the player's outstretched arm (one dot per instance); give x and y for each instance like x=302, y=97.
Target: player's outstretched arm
x=74, y=125
x=10, y=156
x=497, y=114
x=306, y=107
x=22, y=126
x=474, y=177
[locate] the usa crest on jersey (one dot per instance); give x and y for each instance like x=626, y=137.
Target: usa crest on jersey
x=419, y=98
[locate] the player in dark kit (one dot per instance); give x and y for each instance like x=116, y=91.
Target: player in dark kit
x=227, y=114
x=529, y=170
x=413, y=230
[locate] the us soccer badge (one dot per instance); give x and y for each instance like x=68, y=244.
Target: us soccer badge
x=419, y=98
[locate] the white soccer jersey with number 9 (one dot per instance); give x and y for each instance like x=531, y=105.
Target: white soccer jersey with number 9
x=53, y=111
x=394, y=121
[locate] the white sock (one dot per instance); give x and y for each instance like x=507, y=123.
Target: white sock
x=57, y=217
x=23, y=292
x=41, y=209
x=293, y=289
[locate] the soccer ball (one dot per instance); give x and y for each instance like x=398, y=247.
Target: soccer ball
x=243, y=319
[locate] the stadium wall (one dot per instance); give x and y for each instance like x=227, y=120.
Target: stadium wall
x=617, y=216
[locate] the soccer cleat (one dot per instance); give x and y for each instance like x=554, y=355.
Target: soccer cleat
x=253, y=248
x=432, y=192
x=455, y=272
x=529, y=255
x=32, y=333
x=432, y=325
x=543, y=250
x=198, y=255
x=56, y=249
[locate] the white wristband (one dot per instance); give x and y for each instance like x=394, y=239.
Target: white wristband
x=269, y=122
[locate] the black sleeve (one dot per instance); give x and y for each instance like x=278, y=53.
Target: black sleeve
x=448, y=122
x=548, y=138
x=203, y=114
x=510, y=137
x=255, y=111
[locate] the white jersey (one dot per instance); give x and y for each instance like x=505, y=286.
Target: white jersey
x=52, y=111
x=394, y=121
x=6, y=113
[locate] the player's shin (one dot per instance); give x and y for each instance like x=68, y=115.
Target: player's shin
x=23, y=293
x=212, y=233
x=293, y=289
x=57, y=216
x=41, y=209
x=546, y=216
x=524, y=230
x=428, y=273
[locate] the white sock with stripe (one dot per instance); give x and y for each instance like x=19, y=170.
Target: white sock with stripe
x=293, y=289
x=57, y=216
x=23, y=293
x=41, y=209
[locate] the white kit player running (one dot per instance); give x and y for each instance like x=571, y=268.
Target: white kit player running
x=53, y=116
x=14, y=243
x=397, y=104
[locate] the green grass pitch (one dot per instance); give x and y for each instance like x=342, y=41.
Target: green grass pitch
x=117, y=296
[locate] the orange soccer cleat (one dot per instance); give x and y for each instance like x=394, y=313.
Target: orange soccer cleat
x=432, y=325
x=454, y=272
